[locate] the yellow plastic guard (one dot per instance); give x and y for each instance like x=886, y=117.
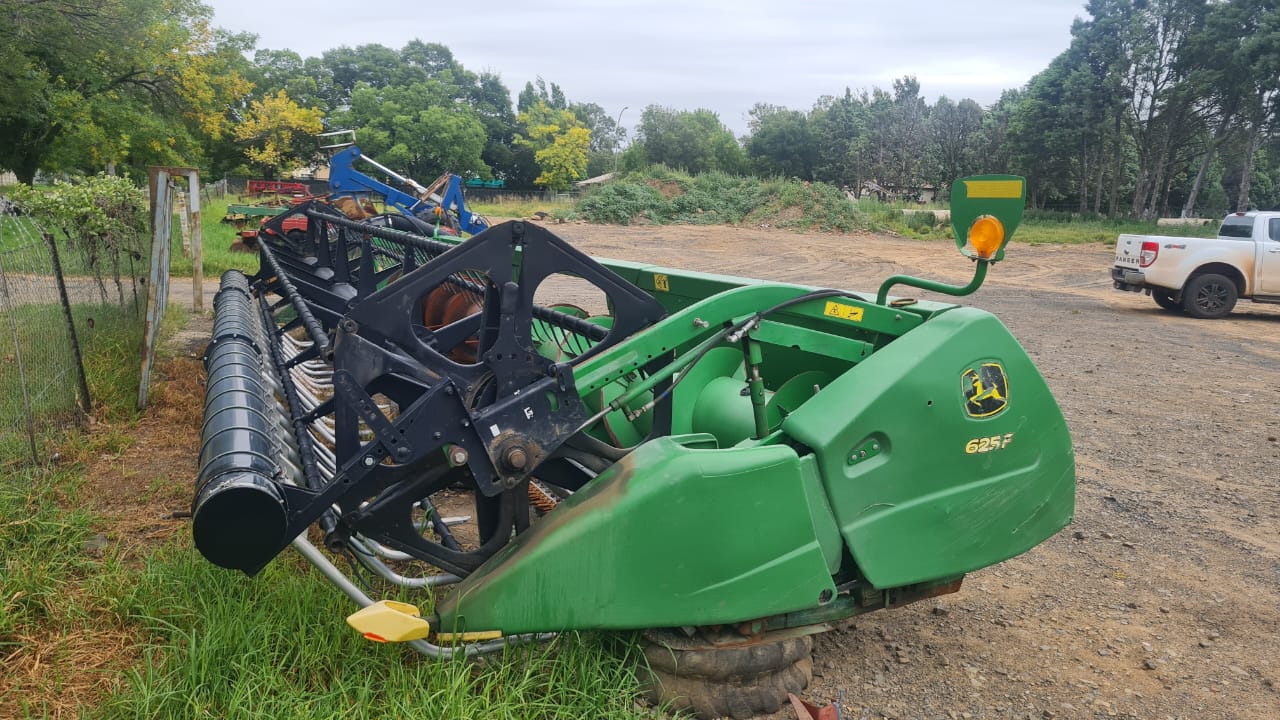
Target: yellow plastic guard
x=390, y=621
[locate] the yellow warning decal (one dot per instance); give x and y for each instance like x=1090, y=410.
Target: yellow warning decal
x=979, y=189
x=661, y=282
x=844, y=312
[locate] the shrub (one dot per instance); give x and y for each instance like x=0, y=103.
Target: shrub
x=621, y=202
x=662, y=195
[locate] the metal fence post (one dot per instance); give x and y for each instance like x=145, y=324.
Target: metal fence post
x=86, y=403
x=197, y=241
x=158, y=289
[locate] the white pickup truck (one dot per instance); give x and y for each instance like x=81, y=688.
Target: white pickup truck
x=1205, y=276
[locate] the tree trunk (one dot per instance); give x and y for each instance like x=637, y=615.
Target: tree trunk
x=26, y=175
x=1113, y=199
x=1139, y=190
x=1164, y=199
x=1102, y=171
x=1084, y=180
x=1189, y=207
x=1246, y=172
x=1157, y=181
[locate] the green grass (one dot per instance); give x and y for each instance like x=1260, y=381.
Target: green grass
x=212, y=643
x=218, y=644
x=521, y=208
x=216, y=244
x=1038, y=226
x=40, y=543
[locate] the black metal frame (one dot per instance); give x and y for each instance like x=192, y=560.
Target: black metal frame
x=487, y=424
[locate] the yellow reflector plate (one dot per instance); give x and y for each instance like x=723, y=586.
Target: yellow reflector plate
x=980, y=189
x=465, y=637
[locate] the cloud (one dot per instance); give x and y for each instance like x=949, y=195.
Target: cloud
x=725, y=56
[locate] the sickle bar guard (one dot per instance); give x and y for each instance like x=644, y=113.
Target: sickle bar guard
x=655, y=448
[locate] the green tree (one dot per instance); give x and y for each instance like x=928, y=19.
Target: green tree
x=901, y=135
x=372, y=65
x=694, y=141
x=418, y=130
x=537, y=91
x=432, y=101
x=606, y=136
x=780, y=142
x=953, y=133
x=838, y=126
x=120, y=82
x=305, y=81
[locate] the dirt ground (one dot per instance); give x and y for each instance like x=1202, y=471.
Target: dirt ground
x=1162, y=600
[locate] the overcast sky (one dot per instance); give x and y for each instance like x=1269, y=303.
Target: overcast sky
x=725, y=56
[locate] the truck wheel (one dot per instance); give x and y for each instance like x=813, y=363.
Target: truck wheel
x=725, y=682
x=1209, y=296
x=1164, y=299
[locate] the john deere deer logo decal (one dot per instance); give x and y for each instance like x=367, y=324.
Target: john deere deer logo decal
x=986, y=390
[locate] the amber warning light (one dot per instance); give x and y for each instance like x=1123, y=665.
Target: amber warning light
x=986, y=236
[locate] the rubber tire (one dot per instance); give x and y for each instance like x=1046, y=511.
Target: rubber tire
x=727, y=682
x=1164, y=299
x=727, y=663
x=1209, y=296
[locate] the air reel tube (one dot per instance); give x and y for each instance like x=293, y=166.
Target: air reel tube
x=239, y=513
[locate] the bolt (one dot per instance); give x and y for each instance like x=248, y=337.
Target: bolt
x=466, y=422
x=516, y=458
x=457, y=456
x=437, y=435
x=369, y=461
x=700, y=323
x=862, y=455
x=349, y=326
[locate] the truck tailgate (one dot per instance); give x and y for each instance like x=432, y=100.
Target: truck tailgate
x=1128, y=251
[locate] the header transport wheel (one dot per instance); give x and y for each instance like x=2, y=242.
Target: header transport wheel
x=738, y=681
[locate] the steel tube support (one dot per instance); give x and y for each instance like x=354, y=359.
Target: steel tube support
x=979, y=274
x=335, y=576
x=309, y=321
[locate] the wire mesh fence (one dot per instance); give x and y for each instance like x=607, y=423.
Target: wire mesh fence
x=57, y=298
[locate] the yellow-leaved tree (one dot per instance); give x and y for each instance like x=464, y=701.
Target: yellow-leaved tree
x=278, y=134
x=560, y=143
